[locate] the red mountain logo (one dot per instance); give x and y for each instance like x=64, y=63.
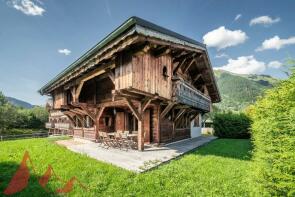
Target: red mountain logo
x=20, y=179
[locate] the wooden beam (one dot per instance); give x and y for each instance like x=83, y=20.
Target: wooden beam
x=179, y=114
x=179, y=65
x=194, y=116
x=145, y=48
x=76, y=111
x=94, y=73
x=189, y=65
x=146, y=103
x=111, y=76
x=97, y=118
x=182, y=53
x=140, y=92
x=89, y=113
x=126, y=94
x=167, y=109
x=197, y=77
x=70, y=115
x=181, y=107
x=162, y=51
x=133, y=108
x=140, y=137
x=99, y=113
x=78, y=91
x=73, y=93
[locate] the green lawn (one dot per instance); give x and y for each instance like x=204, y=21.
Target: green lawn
x=217, y=169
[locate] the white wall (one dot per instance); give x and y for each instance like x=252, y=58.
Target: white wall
x=196, y=131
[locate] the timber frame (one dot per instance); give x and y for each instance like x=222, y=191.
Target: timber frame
x=142, y=78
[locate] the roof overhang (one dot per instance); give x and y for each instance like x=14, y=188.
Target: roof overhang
x=133, y=26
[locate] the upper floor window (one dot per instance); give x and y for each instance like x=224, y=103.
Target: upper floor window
x=165, y=71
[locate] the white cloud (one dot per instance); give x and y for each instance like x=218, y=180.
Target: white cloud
x=221, y=55
x=244, y=65
x=64, y=51
x=276, y=43
x=264, y=20
x=275, y=64
x=27, y=7
x=222, y=38
x=238, y=16
x=108, y=9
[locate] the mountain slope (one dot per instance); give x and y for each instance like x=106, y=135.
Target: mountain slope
x=19, y=103
x=239, y=91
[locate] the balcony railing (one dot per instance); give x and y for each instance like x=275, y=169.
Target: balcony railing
x=188, y=95
x=62, y=125
x=51, y=125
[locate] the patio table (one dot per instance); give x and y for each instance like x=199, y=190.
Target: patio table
x=132, y=135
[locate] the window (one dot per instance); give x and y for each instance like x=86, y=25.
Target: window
x=89, y=122
x=107, y=121
x=69, y=97
x=165, y=71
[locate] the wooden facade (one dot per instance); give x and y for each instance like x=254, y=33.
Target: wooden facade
x=141, y=78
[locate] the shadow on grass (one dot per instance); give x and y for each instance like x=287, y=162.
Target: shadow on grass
x=7, y=170
x=231, y=148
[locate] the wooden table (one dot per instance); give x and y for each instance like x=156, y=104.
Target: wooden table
x=132, y=135
x=112, y=134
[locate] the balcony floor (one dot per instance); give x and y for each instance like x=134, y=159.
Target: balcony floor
x=132, y=159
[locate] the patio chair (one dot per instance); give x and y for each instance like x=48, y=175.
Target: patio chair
x=100, y=138
x=126, y=141
x=118, y=141
x=106, y=140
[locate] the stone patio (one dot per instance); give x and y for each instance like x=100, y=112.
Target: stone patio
x=135, y=160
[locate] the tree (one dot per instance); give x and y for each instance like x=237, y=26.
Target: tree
x=7, y=113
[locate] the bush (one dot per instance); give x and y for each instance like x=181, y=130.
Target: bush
x=231, y=125
x=273, y=135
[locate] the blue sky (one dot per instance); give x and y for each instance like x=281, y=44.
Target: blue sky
x=39, y=38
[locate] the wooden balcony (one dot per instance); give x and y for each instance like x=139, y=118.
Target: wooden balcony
x=49, y=125
x=64, y=126
x=184, y=93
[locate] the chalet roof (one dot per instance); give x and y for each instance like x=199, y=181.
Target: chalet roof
x=131, y=26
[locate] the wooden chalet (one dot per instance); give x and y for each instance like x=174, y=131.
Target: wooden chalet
x=141, y=77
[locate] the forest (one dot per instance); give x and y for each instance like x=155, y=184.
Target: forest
x=18, y=120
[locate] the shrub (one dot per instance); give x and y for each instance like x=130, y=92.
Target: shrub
x=273, y=136
x=231, y=125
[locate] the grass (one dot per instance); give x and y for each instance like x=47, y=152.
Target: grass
x=217, y=169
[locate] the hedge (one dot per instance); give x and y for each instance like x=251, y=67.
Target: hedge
x=231, y=125
x=273, y=135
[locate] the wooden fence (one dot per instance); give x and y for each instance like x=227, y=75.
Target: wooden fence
x=23, y=136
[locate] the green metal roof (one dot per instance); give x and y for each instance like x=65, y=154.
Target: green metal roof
x=140, y=26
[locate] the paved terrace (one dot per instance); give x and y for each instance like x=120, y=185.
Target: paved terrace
x=132, y=159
